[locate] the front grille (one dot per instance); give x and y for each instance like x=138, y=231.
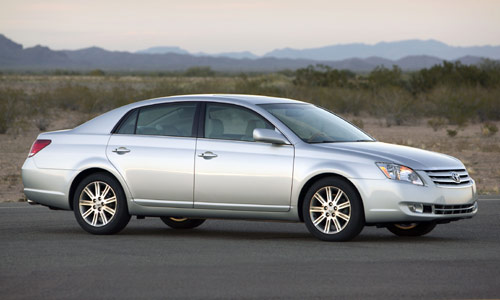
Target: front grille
x=454, y=209
x=445, y=177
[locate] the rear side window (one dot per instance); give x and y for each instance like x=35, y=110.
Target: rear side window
x=128, y=126
x=165, y=119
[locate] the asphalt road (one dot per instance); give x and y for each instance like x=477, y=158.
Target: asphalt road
x=45, y=255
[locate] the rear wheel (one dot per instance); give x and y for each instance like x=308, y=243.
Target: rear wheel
x=100, y=205
x=182, y=223
x=333, y=210
x=411, y=229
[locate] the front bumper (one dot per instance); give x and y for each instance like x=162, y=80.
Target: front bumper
x=390, y=201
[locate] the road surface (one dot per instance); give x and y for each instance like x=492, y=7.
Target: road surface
x=45, y=255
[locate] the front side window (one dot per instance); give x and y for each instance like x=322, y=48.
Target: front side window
x=316, y=125
x=230, y=122
x=174, y=119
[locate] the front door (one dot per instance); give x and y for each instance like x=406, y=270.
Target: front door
x=232, y=171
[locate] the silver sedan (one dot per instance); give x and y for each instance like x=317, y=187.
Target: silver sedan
x=188, y=158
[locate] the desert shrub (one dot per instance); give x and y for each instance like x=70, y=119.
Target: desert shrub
x=11, y=106
x=489, y=129
x=42, y=122
x=59, y=72
x=457, y=105
x=119, y=95
x=199, y=72
x=455, y=75
x=394, y=104
x=258, y=85
x=451, y=132
x=436, y=123
x=358, y=122
x=97, y=72
x=324, y=76
x=488, y=107
x=76, y=97
x=345, y=100
x=492, y=68
x=382, y=77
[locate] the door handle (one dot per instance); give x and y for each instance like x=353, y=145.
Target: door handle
x=207, y=155
x=121, y=150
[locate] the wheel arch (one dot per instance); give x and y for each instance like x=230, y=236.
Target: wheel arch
x=84, y=173
x=314, y=179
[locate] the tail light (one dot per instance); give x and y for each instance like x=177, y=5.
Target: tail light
x=38, y=145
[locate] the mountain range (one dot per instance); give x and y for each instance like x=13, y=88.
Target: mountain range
x=391, y=51
x=408, y=55
x=178, y=50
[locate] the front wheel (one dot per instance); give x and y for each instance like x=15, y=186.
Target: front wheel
x=182, y=223
x=100, y=205
x=333, y=211
x=411, y=229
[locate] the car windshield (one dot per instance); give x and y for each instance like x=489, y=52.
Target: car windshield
x=316, y=125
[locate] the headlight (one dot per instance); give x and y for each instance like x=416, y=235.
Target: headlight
x=398, y=172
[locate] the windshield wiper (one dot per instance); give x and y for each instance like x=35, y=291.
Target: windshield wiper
x=324, y=142
x=355, y=141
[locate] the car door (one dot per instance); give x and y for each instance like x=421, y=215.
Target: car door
x=234, y=172
x=153, y=149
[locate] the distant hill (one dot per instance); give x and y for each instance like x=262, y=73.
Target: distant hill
x=163, y=50
x=171, y=49
x=236, y=55
x=388, y=50
x=14, y=57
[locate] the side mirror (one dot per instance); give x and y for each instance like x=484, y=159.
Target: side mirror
x=269, y=136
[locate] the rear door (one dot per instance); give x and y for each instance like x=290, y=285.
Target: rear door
x=153, y=149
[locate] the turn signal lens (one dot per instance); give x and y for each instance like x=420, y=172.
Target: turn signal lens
x=38, y=145
x=398, y=172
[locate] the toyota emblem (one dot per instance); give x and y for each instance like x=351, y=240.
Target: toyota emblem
x=456, y=177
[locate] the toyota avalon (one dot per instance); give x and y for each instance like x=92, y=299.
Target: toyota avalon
x=185, y=159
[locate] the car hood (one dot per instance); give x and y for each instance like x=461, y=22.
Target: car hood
x=414, y=158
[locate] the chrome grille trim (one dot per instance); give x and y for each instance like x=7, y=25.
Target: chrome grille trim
x=454, y=209
x=444, y=177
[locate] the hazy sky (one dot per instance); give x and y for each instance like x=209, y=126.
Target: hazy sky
x=257, y=26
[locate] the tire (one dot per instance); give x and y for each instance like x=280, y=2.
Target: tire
x=182, y=223
x=411, y=229
x=100, y=205
x=333, y=218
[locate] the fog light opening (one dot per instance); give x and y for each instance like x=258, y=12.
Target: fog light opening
x=416, y=207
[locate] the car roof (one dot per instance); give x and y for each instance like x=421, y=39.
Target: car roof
x=236, y=98
x=105, y=122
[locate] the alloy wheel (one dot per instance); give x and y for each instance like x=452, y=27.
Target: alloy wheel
x=330, y=210
x=97, y=203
